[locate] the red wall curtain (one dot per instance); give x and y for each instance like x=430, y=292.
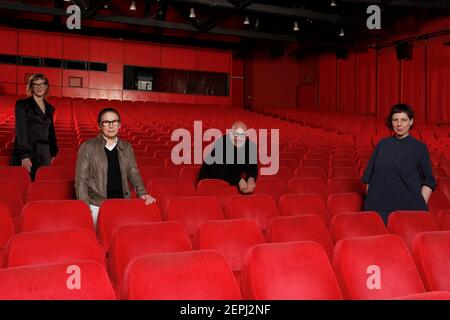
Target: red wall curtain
x=413, y=81
x=327, y=82
x=346, y=70
x=366, y=65
x=438, y=80
x=388, y=83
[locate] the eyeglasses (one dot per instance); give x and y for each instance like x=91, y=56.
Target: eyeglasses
x=40, y=85
x=106, y=123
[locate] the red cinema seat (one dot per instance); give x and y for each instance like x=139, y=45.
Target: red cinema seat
x=217, y=188
x=443, y=185
x=272, y=187
x=152, y=172
x=190, y=173
x=356, y=224
x=135, y=240
x=435, y=295
x=443, y=219
x=55, y=173
x=376, y=267
x=259, y=208
x=288, y=271
x=191, y=211
x=311, y=172
x=232, y=238
x=18, y=175
x=46, y=247
x=431, y=252
x=49, y=282
x=300, y=228
x=164, y=189
x=303, y=204
x=343, y=172
x=51, y=190
x=407, y=224
x=115, y=213
x=11, y=197
x=339, y=203
x=6, y=230
x=194, y=275
x=308, y=185
x=56, y=215
x=345, y=185
x=284, y=173
x=315, y=163
x=438, y=201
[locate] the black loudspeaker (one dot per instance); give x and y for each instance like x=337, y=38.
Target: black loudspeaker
x=341, y=53
x=403, y=50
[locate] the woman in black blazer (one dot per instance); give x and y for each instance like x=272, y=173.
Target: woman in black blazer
x=35, y=143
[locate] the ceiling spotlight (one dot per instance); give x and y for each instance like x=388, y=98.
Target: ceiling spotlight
x=333, y=3
x=257, y=23
x=295, y=28
x=341, y=34
x=192, y=13
x=106, y=6
x=133, y=6
x=309, y=20
x=66, y=0
x=246, y=21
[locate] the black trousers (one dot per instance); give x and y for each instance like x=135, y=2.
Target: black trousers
x=40, y=157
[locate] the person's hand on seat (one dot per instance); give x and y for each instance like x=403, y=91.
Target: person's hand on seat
x=148, y=199
x=26, y=163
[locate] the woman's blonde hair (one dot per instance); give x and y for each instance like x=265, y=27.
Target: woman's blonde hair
x=32, y=79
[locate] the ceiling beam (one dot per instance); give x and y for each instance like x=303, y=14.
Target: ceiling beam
x=424, y=4
x=149, y=22
x=267, y=9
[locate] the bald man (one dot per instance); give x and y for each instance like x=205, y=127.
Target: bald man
x=233, y=159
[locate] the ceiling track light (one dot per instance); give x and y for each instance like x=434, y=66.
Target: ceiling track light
x=192, y=13
x=246, y=21
x=333, y=3
x=133, y=6
x=295, y=28
x=341, y=34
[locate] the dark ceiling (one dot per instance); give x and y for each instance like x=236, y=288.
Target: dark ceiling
x=220, y=23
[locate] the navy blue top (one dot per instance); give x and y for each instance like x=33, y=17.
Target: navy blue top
x=396, y=173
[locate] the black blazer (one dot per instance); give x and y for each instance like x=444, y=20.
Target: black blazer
x=33, y=127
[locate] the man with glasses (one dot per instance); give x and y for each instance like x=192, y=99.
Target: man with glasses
x=106, y=164
x=233, y=159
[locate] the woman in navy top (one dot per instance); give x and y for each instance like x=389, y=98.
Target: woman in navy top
x=399, y=174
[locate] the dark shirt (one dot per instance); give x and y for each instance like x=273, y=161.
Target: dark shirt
x=33, y=127
x=114, y=182
x=396, y=173
x=233, y=164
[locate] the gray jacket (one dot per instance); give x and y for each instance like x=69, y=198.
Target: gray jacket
x=92, y=171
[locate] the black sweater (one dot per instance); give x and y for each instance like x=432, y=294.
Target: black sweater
x=233, y=164
x=396, y=173
x=114, y=184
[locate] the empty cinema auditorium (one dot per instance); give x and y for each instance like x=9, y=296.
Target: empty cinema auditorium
x=332, y=117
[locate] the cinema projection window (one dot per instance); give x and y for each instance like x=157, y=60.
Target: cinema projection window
x=30, y=61
x=75, y=65
x=98, y=66
x=8, y=59
x=52, y=63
